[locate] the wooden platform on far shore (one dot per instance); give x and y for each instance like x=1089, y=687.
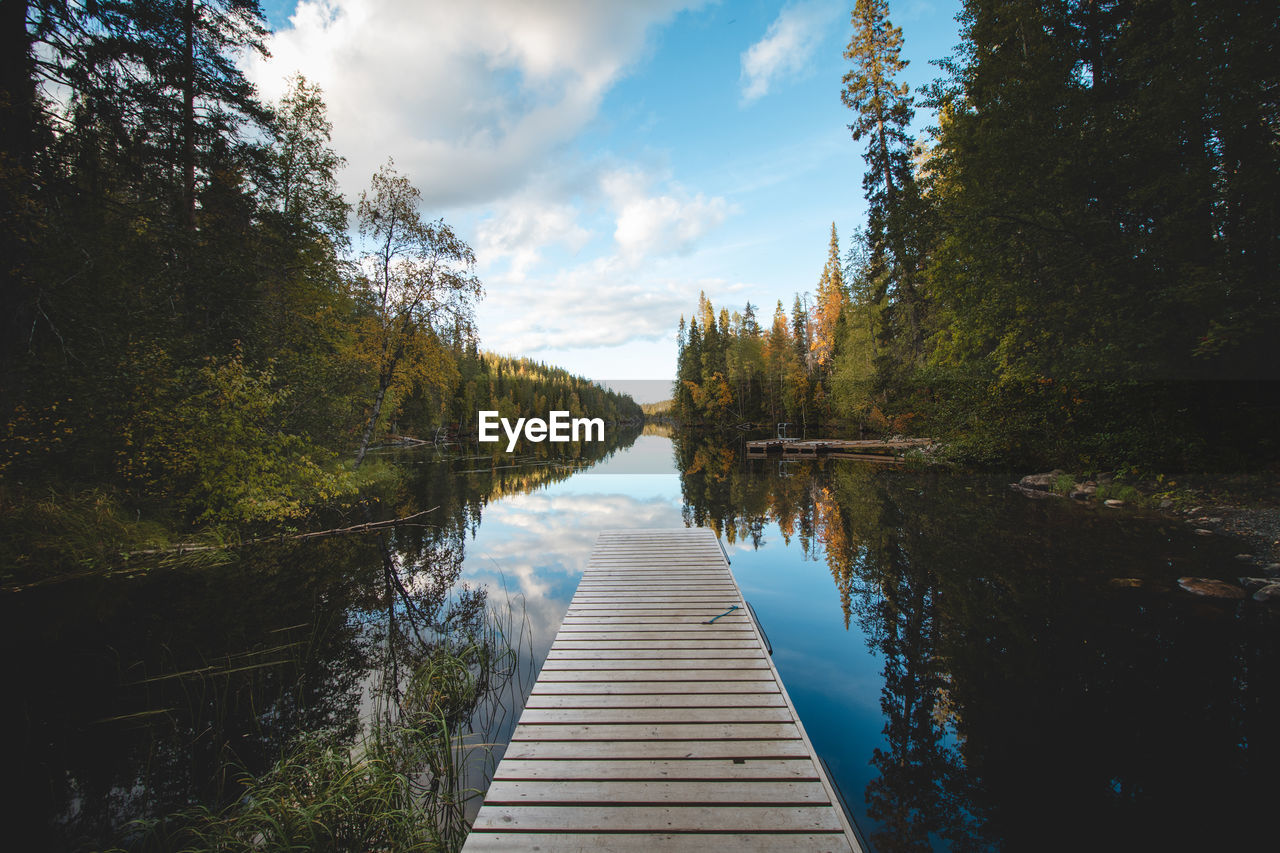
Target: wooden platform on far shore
x=653, y=728
x=872, y=450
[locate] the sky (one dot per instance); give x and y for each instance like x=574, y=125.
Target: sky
x=606, y=161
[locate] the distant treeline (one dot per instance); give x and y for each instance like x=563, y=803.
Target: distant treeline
x=521, y=387
x=1079, y=264
x=657, y=410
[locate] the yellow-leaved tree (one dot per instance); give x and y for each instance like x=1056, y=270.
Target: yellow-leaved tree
x=415, y=279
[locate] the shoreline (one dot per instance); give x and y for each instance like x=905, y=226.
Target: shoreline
x=1243, y=507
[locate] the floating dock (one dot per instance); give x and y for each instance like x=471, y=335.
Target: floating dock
x=873, y=450
x=659, y=721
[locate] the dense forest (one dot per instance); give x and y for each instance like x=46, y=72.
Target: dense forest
x=199, y=329
x=518, y=387
x=1076, y=264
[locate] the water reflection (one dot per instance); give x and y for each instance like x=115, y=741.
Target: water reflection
x=960, y=656
x=535, y=546
x=138, y=696
x=1026, y=700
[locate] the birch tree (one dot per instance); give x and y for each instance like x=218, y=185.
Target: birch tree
x=416, y=278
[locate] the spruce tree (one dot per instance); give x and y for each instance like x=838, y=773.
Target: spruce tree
x=884, y=110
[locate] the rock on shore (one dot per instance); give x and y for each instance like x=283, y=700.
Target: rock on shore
x=1210, y=588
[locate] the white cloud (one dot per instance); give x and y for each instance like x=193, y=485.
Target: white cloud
x=786, y=47
x=480, y=103
x=471, y=99
x=630, y=290
x=522, y=229
x=602, y=302
x=668, y=223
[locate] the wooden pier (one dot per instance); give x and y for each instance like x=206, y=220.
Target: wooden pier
x=653, y=727
x=871, y=450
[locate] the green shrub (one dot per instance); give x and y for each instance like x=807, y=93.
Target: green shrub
x=1120, y=492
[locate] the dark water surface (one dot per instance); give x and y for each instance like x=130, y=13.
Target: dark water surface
x=979, y=671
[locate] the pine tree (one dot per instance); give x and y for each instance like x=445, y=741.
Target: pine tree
x=831, y=300
x=689, y=374
x=884, y=110
x=802, y=330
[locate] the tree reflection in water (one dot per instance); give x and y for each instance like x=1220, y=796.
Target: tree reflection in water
x=138, y=696
x=1028, y=700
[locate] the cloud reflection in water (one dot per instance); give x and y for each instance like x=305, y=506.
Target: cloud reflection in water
x=536, y=545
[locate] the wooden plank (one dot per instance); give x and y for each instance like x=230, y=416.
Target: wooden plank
x=698, y=561
x=651, y=551
x=692, y=563
x=714, y=600
x=660, y=749
x=658, y=607
x=685, y=615
x=693, y=676
x=656, y=586
x=684, y=818
x=681, y=578
x=670, y=590
x=626, y=545
x=653, y=654
x=655, y=732
x=697, y=842
x=667, y=566
x=599, y=716
x=656, y=543
x=648, y=552
x=654, y=643
x=693, y=631
x=618, y=611
x=699, y=616
x=664, y=595
x=591, y=578
x=744, y=686
x=654, y=553
x=589, y=583
x=792, y=769
x=633, y=576
x=663, y=591
x=686, y=630
x=682, y=619
x=654, y=700
x=654, y=664
x=617, y=793
x=654, y=633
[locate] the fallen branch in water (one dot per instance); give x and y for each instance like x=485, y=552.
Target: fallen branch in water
x=192, y=547
x=367, y=527
x=185, y=548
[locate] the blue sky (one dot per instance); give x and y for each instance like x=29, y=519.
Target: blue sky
x=607, y=161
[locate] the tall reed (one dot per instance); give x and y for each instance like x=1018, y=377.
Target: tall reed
x=402, y=786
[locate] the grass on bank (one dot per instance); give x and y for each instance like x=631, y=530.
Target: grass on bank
x=53, y=533
x=401, y=787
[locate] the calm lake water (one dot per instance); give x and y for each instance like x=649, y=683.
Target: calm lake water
x=978, y=670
